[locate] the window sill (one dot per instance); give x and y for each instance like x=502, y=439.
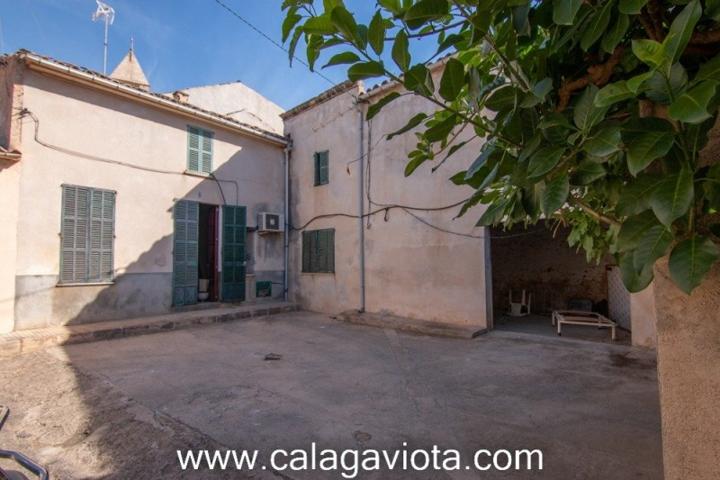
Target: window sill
x=317, y=273
x=197, y=174
x=88, y=284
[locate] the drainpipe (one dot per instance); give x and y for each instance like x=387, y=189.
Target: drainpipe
x=361, y=204
x=286, y=215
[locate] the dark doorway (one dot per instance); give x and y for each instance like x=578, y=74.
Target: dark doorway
x=207, y=253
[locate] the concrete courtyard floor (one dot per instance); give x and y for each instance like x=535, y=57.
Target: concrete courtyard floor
x=120, y=408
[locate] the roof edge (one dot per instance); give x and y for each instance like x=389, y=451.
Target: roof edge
x=90, y=78
x=323, y=97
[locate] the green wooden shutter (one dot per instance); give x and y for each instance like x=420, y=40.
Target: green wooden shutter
x=316, y=165
x=324, y=168
x=306, y=251
x=233, y=253
x=101, y=236
x=193, y=156
x=206, y=151
x=74, y=234
x=185, y=253
x=330, y=262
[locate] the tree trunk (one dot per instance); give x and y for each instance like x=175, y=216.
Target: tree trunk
x=688, y=351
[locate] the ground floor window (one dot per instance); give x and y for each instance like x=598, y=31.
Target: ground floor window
x=87, y=235
x=318, y=251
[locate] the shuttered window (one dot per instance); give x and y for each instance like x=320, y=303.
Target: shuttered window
x=200, y=150
x=87, y=235
x=322, y=173
x=318, y=248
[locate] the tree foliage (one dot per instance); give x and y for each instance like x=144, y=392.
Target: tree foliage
x=594, y=112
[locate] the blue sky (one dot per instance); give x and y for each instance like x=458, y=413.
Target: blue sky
x=180, y=43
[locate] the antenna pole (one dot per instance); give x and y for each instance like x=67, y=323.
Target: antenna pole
x=107, y=13
x=105, y=53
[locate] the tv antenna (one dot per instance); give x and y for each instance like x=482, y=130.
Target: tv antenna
x=107, y=14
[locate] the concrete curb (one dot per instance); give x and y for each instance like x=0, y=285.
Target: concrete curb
x=16, y=343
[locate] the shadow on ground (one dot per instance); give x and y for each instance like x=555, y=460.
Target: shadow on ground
x=120, y=409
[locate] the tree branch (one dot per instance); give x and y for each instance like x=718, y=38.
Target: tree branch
x=596, y=215
x=598, y=75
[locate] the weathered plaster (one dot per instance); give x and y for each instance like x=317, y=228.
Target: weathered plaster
x=109, y=129
x=412, y=270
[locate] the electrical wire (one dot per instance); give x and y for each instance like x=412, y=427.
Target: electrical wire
x=270, y=39
x=36, y=122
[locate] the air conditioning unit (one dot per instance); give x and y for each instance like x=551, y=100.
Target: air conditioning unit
x=270, y=222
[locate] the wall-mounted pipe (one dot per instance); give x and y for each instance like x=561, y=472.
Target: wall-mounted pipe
x=361, y=203
x=286, y=215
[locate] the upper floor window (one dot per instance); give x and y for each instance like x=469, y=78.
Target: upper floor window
x=87, y=235
x=322, y=173
x=200, y=150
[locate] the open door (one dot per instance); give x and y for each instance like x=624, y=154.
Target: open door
x=234, y=220
x=185, y=253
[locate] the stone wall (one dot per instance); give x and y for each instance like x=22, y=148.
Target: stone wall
x=545, y=266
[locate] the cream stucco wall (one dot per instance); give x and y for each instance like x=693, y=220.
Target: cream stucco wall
x=412, y=270
x=97, y=124
x=240, y=102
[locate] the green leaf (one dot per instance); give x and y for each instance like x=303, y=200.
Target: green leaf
x=555, y=194
x=634, y=281
x=663, y=88
x=613, y=93
x=586, y=114
x=631, y=7
x=439, y=131
x=709, y=70
x=418, y=79
x=425, y=10
x=712, y=9
x=342, y=58
x=414, y=163
x=363, y=70
x=376, y=33
x=644, y=148
x=681, y=30
x=453, y=79
x=604, y=142
x=692, y=106
x=587, y=172
x=597, y=25
x=320, y=25
x=673, y=196
x=393, y=6
x=633, y=229
x=544, y=160
x=636, y=83
x=289, y=23
x=412, y=123
x=651, y=53
x=616, y=33
x=400, y=51
x=345, y=23
x=691, y=260
x=494, y=213
x=485, y=152
x=564, y=11
x=503, y=97
x=654, y=244
x=293, y=44
x=375, y=108
x=635, y=196
x=538, y=93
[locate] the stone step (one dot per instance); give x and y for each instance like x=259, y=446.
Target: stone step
x=24, y=341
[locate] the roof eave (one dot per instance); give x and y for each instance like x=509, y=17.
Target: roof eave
x=41, y=64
